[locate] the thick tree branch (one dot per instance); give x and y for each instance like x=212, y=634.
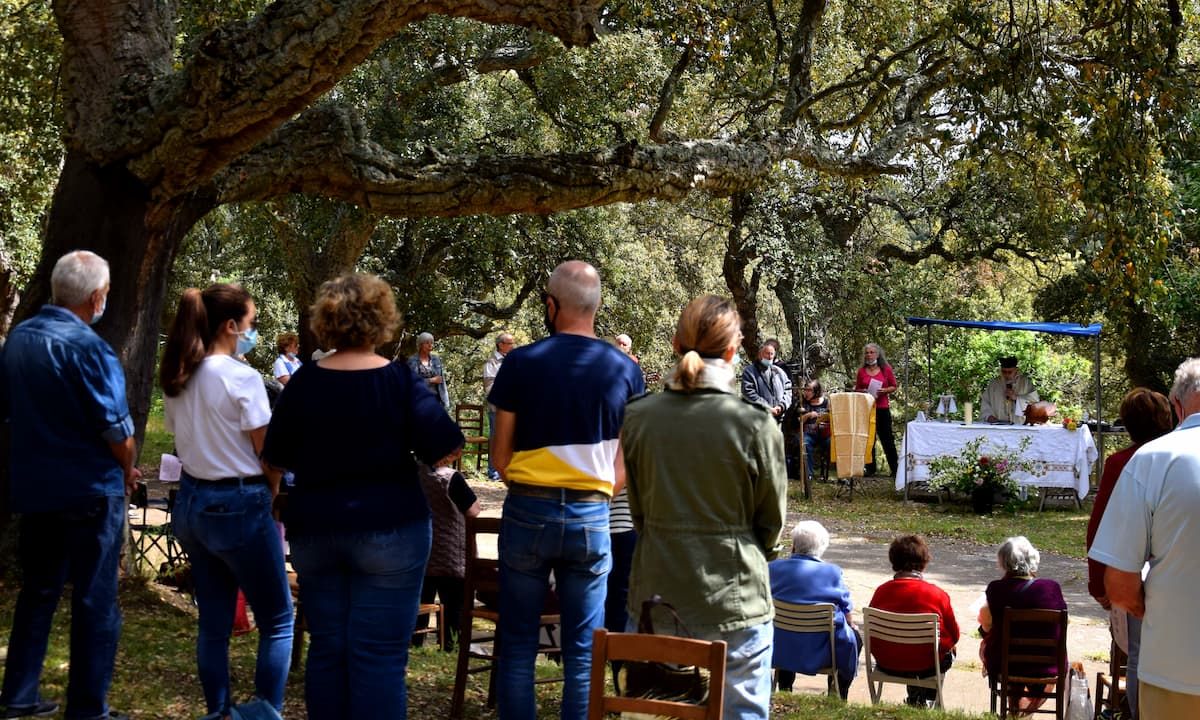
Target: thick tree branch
x=800, y=67
x=326, y=153
x=666, y=96
x=245, y=79
x=937, y=248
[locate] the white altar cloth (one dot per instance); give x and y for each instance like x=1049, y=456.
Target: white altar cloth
x=1060, y=458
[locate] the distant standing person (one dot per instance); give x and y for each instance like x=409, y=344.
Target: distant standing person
x=217, y=408
x=1158, y=495
x=491, y=368
x=875, y=367
x=62, y=390
x=765, y=383
x=429, y=368
x=286, y=365
x=560, y=403
x=1146, y=416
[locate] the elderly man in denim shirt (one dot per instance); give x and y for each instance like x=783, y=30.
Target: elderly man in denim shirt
x=63, y=391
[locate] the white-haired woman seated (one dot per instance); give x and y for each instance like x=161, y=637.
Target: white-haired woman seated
x=1019, y=589
x=805, y=579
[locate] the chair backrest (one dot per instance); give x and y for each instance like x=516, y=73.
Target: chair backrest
x=469, y=418
x=814, y=618
x=1033, y=638
x=482, y=573
x=905, y=629
x=608, y=646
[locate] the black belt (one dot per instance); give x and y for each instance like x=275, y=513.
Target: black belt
x=563, y=494
x=241, y=480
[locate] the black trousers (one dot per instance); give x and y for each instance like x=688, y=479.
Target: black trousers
x=449, y=592
x=887, y=438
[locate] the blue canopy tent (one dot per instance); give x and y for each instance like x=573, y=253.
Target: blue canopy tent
x=1071, y=329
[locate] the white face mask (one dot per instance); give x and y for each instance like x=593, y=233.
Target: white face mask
x=99, y=313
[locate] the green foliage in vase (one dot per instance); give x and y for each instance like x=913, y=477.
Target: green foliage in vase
x=980, y=468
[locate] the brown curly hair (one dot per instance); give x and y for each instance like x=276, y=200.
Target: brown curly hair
x=354, y=311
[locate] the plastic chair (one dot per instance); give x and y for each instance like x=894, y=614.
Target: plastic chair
x=1018, y=650
x=481, y=584
x=907, y=629
x=814, y=618
x=470, y=421
x=626, y=647
x=1110, y=688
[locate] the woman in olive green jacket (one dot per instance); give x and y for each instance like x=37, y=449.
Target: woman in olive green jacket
x=708, y=491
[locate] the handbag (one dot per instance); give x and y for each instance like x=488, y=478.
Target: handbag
x=661, y=681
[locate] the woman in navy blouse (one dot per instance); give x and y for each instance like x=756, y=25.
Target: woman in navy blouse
x=357, y=521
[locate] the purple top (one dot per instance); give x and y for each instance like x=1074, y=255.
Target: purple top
x=1021, y=594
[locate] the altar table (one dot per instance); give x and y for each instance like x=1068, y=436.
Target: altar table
x=1060, y=458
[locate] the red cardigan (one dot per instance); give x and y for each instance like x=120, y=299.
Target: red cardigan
x=913, y=595
x=1112, y=472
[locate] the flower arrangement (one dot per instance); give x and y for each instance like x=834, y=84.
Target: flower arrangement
x=980, y=472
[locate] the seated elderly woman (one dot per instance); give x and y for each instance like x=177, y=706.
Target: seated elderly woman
x=1019, y=589
x=910, y=592
x=804, y=579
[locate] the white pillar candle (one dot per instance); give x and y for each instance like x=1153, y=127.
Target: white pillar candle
x=968, y=412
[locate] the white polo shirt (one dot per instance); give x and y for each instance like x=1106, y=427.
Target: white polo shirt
x=1154, y=515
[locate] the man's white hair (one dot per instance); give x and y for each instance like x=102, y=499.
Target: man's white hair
x=576, y=285
x=76, y=276
x=810, y=537
x=1187, y=381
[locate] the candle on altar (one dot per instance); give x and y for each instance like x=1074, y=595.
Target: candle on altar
x=968, y=412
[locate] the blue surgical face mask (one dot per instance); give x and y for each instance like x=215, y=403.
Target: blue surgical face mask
x=246, y=341
x=100, y=313
x=766, y=363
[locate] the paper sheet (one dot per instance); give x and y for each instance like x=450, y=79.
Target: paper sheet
x=874, y=386
x=169, y=468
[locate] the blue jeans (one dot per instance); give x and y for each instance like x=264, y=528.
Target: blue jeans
x=232, y=542
x=811, y=443
x=83, y=546
x=538, y=535
x=360, y=594
x=747, y=671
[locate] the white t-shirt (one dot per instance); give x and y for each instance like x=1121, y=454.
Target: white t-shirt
x=223, y=400
x=1154, y=514
x=284, y=366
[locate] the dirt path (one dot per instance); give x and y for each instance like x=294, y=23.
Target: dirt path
x=962, y=569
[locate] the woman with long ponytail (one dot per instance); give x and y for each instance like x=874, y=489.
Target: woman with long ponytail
x=708, y=492
x=217, y=407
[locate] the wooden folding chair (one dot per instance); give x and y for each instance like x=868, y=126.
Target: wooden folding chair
x=483, y=579
x=1019, y=650
x=470, y=420
x=906, y=629
x=625, y=647
x=814, y=618
x=1110, y=688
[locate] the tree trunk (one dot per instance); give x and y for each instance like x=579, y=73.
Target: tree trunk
x=738, y=256
x=105, y=210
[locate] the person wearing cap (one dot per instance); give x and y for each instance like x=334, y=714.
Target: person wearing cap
x=1005, y=398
